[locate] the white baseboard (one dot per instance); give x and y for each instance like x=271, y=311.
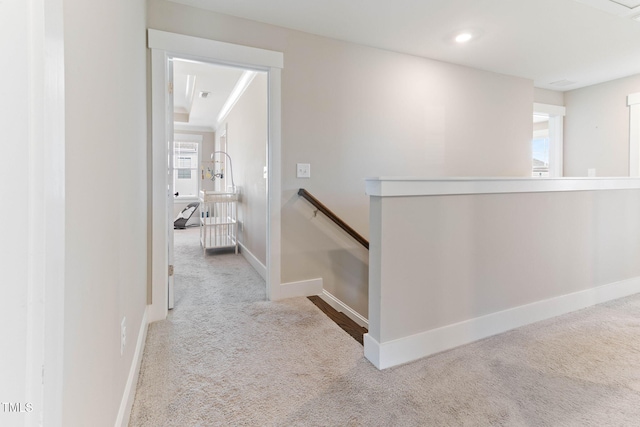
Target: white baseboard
x=407, y=349
x=340, y=306
x=132, y=381
x=303, y=288
x=373, y=351
x=255, y=262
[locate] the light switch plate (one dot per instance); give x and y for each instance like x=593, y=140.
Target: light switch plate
x=303, y=170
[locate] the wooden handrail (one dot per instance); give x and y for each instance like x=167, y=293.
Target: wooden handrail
x=333, y=217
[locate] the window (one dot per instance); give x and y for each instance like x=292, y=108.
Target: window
x=185, y=168
x=183, y=164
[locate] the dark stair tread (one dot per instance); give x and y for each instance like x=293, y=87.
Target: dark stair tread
x=349, y=326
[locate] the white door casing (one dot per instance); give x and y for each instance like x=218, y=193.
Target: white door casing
x=633, y=102
x=170, y=190
x=33, y=113
x=556, y=115
x=163, y=46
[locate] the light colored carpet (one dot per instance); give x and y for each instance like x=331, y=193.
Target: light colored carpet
x=227, y=357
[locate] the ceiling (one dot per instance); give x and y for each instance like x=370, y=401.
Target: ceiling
x=574, y=42
x=192, y=112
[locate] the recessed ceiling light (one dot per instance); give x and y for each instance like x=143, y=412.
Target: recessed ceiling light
x=463, y=37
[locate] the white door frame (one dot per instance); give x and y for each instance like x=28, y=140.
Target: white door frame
x=556, y=115
x=163, y=46
x=170, y=144
x=633, y=102
x=34, y=109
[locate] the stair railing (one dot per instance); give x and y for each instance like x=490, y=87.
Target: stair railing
x=333, y=217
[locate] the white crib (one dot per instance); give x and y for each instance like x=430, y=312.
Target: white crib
x=218, y=220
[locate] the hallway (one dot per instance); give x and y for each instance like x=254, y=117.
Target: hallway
x=226, y=356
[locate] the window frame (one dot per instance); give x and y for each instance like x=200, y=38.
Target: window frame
x=191, y=138
x=556, y=115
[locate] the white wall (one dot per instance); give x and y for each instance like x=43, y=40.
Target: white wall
x=596, y=132
x=106, y=218
x=14, y=245
x=546, y=96
x=247, y=131
x=353, y=112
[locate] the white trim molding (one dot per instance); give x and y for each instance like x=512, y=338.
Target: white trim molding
x=555, y=114
x=158, y=256
x=207, y=49
x=274, y=183
x=407, y=349
x=36, y=29
x=126, y=403
x=633, y=102
x=241, y=85
x=344, y=308
x=414, y=186
x=253, y=261
x=303, y=288
x=165, y=46
x=633, y=99
x=550, y=109
x=192, y=128
x=186, y=137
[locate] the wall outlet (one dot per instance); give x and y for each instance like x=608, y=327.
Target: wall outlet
x=123, y=335
x=303, y=170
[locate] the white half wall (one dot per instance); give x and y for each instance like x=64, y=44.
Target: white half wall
x=448, y=269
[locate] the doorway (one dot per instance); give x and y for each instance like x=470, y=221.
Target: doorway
x=220, y=122
x=164, y=47
x=547, y=141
